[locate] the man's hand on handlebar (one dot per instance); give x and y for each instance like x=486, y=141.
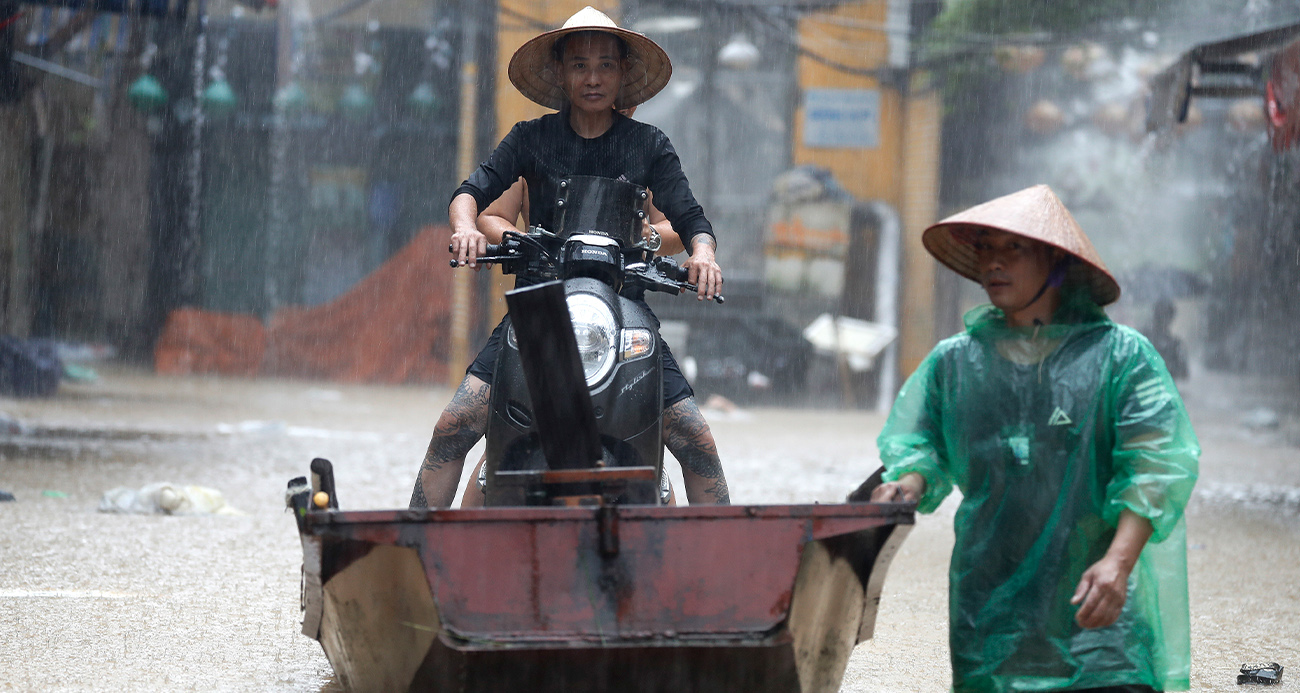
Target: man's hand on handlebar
x=467, y=242
x=703, y=268
x=468, y=245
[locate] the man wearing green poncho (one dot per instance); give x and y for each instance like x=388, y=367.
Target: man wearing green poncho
x=1074, y=456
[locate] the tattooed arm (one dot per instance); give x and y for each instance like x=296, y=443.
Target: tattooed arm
x=461, y=425
x=689, y=439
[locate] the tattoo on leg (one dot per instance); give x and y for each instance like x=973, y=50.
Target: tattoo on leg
x=689, y=439
x=447, y=447
x=418, y=501
x=459, y=427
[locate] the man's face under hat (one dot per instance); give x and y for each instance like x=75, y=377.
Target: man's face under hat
x=1011, y=268
x=591, y=67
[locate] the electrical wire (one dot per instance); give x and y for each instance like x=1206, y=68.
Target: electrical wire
x=531, y=21
x=526, y=239
x=782, y=35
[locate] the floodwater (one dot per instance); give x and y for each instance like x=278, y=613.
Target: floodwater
x=93, y=601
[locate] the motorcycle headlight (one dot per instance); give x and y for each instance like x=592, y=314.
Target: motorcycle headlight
x=596, y=334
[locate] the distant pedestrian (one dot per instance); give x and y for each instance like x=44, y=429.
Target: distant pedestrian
x=1162, y=338
x=1074, y=456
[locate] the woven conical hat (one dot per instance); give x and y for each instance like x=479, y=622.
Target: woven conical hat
x=1035, y=213
x=532, y=68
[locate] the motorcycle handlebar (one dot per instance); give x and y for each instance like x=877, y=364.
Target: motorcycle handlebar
x=682, y=276
x=491, y=255
x=717, y=298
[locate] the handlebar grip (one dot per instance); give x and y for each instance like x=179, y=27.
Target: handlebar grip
x=717, y=298
x=493, y=252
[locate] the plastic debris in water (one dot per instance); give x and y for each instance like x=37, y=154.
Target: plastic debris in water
x=1260, y=418
x=1267, y=674
x=82, y=374
x=166, y=499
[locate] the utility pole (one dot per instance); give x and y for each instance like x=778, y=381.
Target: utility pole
x=278, y=213
x=462, y=284
x=712, y=16
x=188, y=248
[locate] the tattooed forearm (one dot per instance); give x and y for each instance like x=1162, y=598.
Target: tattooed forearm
x=703, y=239
x=689, y=439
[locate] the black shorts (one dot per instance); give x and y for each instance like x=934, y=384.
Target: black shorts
x=676, y=388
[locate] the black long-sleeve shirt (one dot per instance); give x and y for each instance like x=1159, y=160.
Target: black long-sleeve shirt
x=547, y=150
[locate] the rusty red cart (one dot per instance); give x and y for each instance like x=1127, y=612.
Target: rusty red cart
x=607, y=598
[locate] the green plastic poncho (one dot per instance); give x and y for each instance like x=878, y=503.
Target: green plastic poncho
x=1050, y=433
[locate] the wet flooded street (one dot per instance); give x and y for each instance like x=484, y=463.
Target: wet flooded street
x=98, y=601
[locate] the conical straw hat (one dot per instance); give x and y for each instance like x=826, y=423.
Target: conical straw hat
x=532, y=68
x=1035, y=213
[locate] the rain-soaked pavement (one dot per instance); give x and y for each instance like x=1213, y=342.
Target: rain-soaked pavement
x=93, y=601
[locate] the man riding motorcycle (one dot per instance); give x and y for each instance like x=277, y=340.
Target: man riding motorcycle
x=585, y=69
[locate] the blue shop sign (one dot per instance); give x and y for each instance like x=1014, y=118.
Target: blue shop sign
x=841, y=118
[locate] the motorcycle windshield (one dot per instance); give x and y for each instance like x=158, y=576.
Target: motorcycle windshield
x=603, y=206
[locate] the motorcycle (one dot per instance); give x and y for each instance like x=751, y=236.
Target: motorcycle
x=588, y=598
x=576, y=411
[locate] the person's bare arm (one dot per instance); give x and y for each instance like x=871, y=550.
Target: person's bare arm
x=467, y=242
x=503, y=214
x=1103, y=589
x=669, y=242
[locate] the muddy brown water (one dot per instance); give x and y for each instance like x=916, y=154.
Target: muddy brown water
x=93, y=601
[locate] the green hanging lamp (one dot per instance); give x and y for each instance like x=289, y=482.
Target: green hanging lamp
x=219, y=99
x=422, y=100
x=355, y=102
x=291, y=99
x=146, y=94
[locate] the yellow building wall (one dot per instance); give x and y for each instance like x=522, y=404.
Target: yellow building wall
x=902, y=170
x=920, y=206
x=850, y=35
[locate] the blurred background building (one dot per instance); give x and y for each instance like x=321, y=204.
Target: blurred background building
x=260, y=160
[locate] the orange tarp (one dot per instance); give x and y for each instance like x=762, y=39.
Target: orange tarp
x=197, y=341
x=389, y=328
